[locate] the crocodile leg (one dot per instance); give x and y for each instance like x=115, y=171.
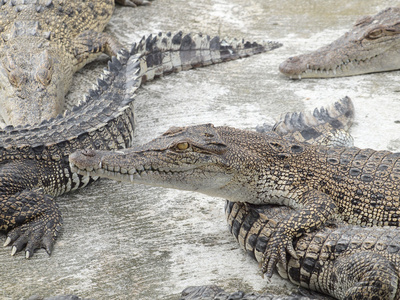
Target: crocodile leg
x=318, y=208
x=89, y=44
x=35, y=220
x=31, y=216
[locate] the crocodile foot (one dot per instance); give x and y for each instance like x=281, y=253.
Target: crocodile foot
x=278, y=246
x=38, y=223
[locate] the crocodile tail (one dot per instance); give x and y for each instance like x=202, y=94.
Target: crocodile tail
x=166, y=53
x=325, y=126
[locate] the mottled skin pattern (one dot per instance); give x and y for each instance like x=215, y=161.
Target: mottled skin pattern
x=372, y=45
x=341, y=260
x=34, y=163
x=360, y=186
x=344, y=261
x=44, y=42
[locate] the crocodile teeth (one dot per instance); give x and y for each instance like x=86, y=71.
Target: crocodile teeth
x=132, y=171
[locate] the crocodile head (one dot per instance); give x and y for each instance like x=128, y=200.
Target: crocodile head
x=196, y=158
x=371, y=46
x=32, y=88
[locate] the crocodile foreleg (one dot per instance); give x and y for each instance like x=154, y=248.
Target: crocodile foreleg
x=30, y=216
x=34, y=220
x=318, y=208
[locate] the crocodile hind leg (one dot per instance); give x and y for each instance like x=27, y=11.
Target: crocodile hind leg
x=317, y=208
x=90, y=44
x=31, y=216
x=363, y=275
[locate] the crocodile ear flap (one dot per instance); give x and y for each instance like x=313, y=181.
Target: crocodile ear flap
x=45, y=69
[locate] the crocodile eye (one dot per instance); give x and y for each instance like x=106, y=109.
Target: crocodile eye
x=374, y=34
x=15, y=77
x=182, y=146
x=45, y=68
x=14, y=73
x=44, y=76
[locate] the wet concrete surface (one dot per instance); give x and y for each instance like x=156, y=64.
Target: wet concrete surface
x=124, y=241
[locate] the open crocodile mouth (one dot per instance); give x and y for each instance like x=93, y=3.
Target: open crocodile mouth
x=294, y=68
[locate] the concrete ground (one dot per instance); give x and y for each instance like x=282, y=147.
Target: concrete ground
x=122, y=241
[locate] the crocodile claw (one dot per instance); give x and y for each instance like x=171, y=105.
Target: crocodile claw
x=39, y=225
x=39, y=233
x=279, y=245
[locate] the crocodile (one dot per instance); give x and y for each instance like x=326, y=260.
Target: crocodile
x=372, y=45
x=360, y=186
x=322, y=255
x=341, y=260
x=43, y=43
x=34, y=159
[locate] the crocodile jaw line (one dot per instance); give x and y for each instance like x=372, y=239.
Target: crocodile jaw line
x=208, y=182
x=370, y=46
x=348, y=67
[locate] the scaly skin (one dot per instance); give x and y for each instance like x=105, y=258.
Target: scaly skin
x=359, y=185
x=34, y=163
x=340, y=260
x=372, y=45
x=43, y=44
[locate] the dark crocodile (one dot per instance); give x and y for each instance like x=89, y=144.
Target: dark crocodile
x=43, y=43
x=34, y=159
x=372, y=45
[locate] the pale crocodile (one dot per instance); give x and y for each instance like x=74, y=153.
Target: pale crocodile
x=34, y=159
x=372, y=45
x=43, y=43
